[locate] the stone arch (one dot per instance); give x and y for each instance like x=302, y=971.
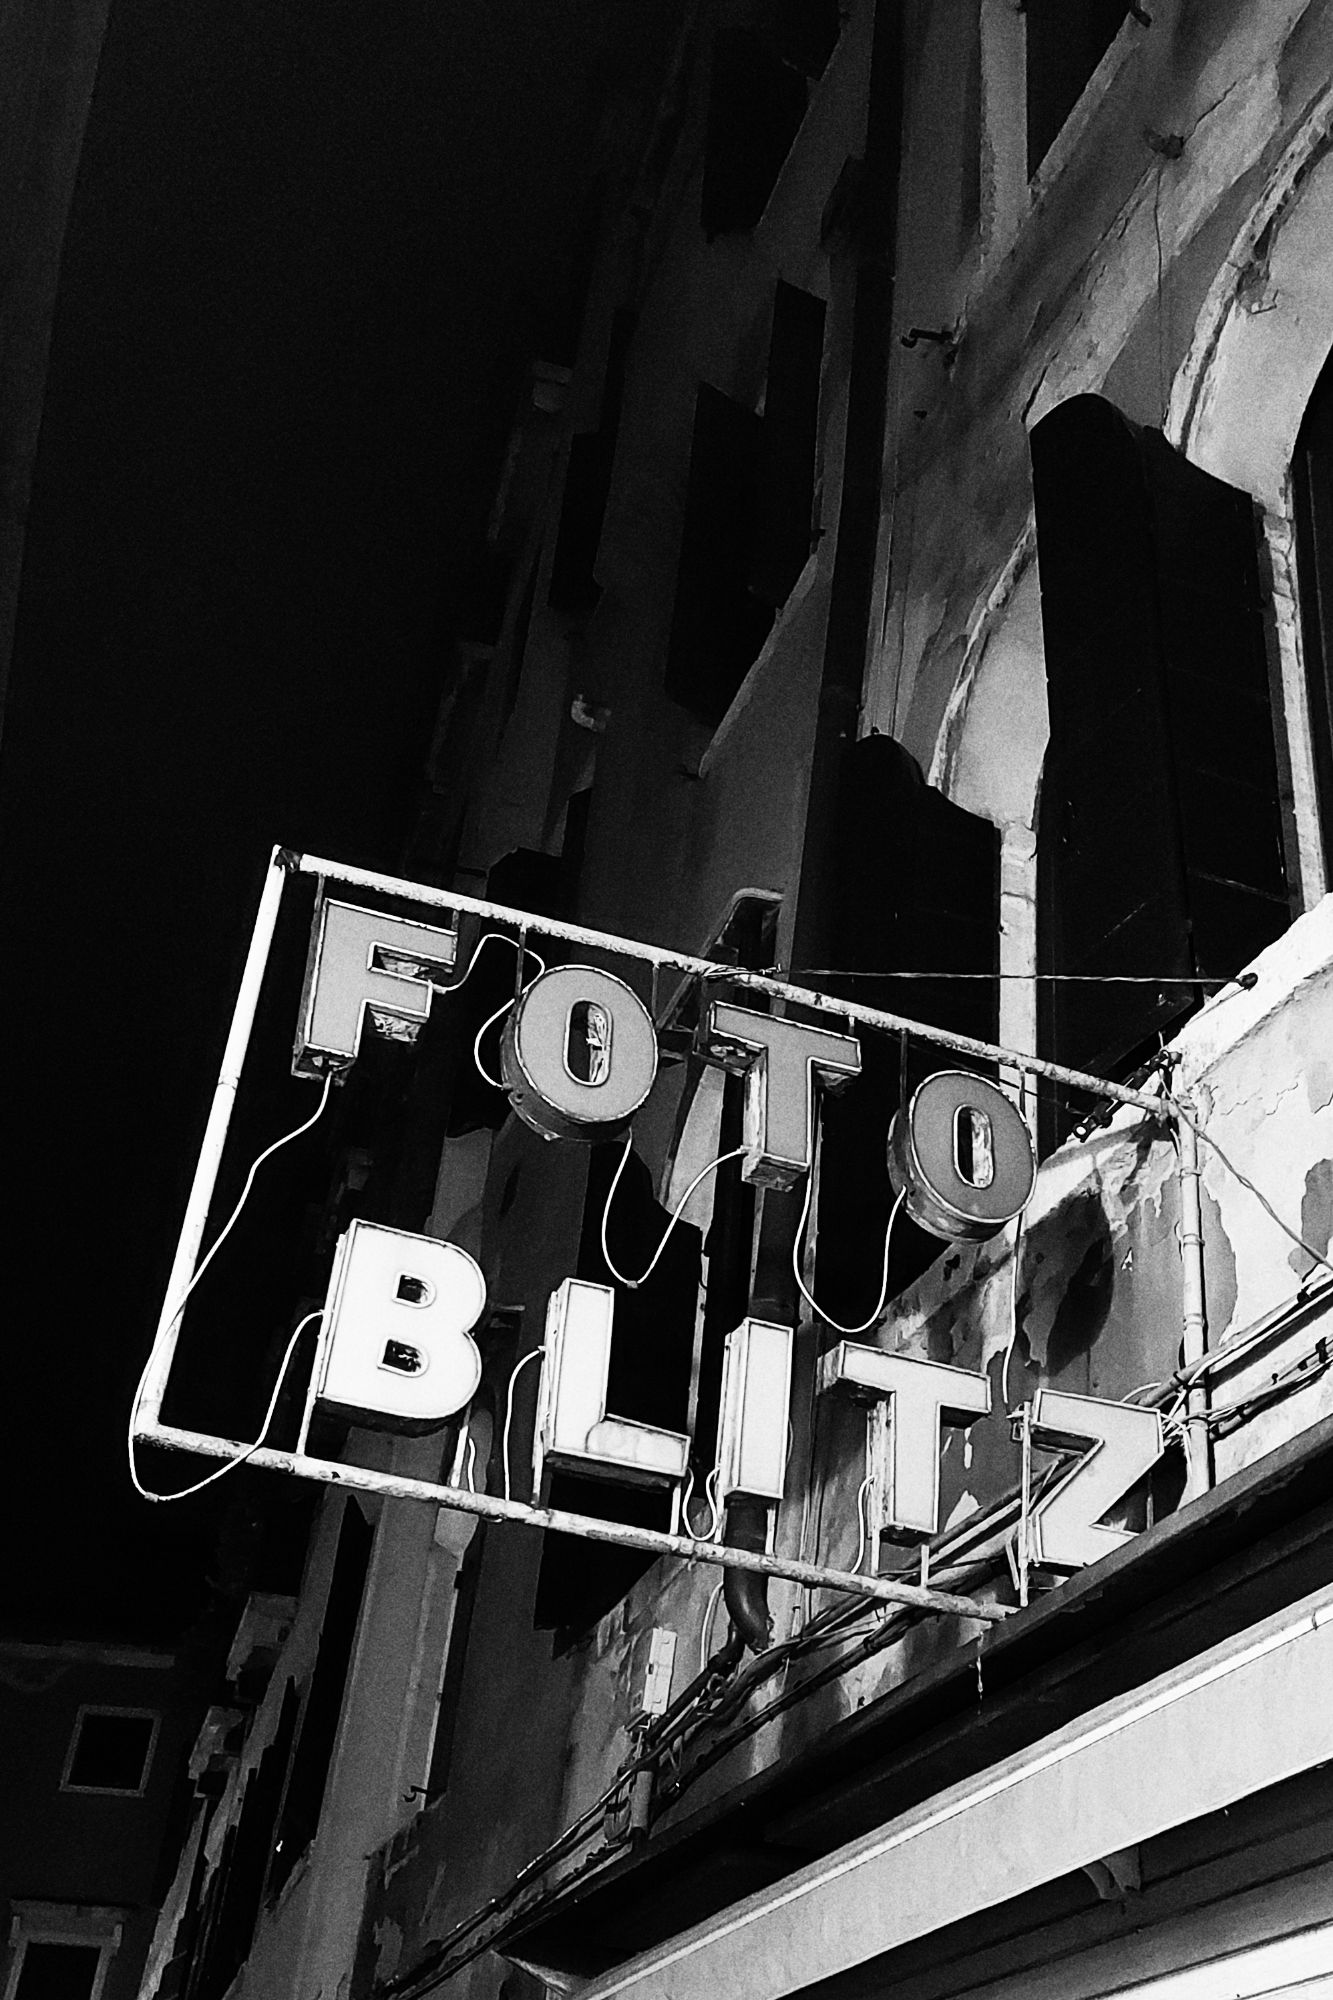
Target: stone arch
x=1262, y=336
x=1266, y=326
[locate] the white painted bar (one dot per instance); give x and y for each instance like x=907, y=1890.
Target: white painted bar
x=215, y=1138
x=394, y=1486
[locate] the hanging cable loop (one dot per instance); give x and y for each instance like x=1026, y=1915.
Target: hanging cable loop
x=813, y=1303
x=632, y=1284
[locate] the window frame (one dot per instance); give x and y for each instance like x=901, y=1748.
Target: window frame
x=89, y=1708
x=91, y=1925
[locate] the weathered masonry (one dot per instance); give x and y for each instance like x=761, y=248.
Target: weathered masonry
x=919, y=595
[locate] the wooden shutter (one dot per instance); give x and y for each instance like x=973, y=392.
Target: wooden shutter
x=783, y=532
x=718, y=625
x=918, y=891
x=1160, y=848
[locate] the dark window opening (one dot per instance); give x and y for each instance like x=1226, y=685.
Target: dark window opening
x=451, y=1690
x=1066, y=39
x=649, y=1381
x=755, y=106
x=323, y=1707
x=788, y=444
x=52, y=1971
x=111, y=1752
x=574, y=588
x=718, y=624
x=240, y=1884
x=1312, y=471
x=918, y=891
x=1161, y=847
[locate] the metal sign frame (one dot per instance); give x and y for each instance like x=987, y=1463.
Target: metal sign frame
x=148, y=1426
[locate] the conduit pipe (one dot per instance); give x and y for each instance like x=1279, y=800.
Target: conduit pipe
x=1193, y=1316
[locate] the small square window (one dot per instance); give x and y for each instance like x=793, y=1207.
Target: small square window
x=111, y=1751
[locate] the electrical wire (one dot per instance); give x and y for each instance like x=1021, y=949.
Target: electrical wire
x=500, y=937
x=706, y=1629
x=1245, y=980
x=1200, y=1131
x=813, y=1303
x=243, y=1197
x=863, y=1525
x=1013, y=1311
x=632, y=1284
x=231, y=1464
x=527, y=952
x=712, y=1494
x=518, y=1367
x=168, y=1326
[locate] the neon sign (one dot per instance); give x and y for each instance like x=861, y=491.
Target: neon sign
x=579, y=1055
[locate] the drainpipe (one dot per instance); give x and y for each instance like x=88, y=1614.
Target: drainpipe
x=851, y=597
x=1193, y=1317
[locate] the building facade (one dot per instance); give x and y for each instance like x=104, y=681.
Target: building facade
x=94, y=1735
x=919, y=585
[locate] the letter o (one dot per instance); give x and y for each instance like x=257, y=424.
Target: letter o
x=579, y=1054
x=962, y=1157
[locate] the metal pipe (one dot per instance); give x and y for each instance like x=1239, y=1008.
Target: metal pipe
x=215, y=1135
x=745, y=1592
x=396, y=1487
x=1193, y=1316
x=708, y=968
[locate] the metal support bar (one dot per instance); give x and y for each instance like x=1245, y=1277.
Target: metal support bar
x=215, y=1135
x=395, y=1487
x=1193, y=1316
x=757, y=982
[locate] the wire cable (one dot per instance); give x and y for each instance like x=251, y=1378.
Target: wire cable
x=231, y=1464
x=168, y=1326
x=712, y=1494
x=632, y=1284
x=500, y=937
x=811, y=1301
x=1245, y=980
x=243, y=1197
x=1188, y=1118
x=527, y=952
x=706, y=1629
x=709, y=1533
x=517, y=1370
x=863, y=1526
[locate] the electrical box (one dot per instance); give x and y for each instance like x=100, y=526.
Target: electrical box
x=653, y=1664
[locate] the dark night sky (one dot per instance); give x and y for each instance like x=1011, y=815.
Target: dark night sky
x=303, y=236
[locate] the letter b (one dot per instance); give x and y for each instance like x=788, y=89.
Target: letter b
x=396, y=1350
